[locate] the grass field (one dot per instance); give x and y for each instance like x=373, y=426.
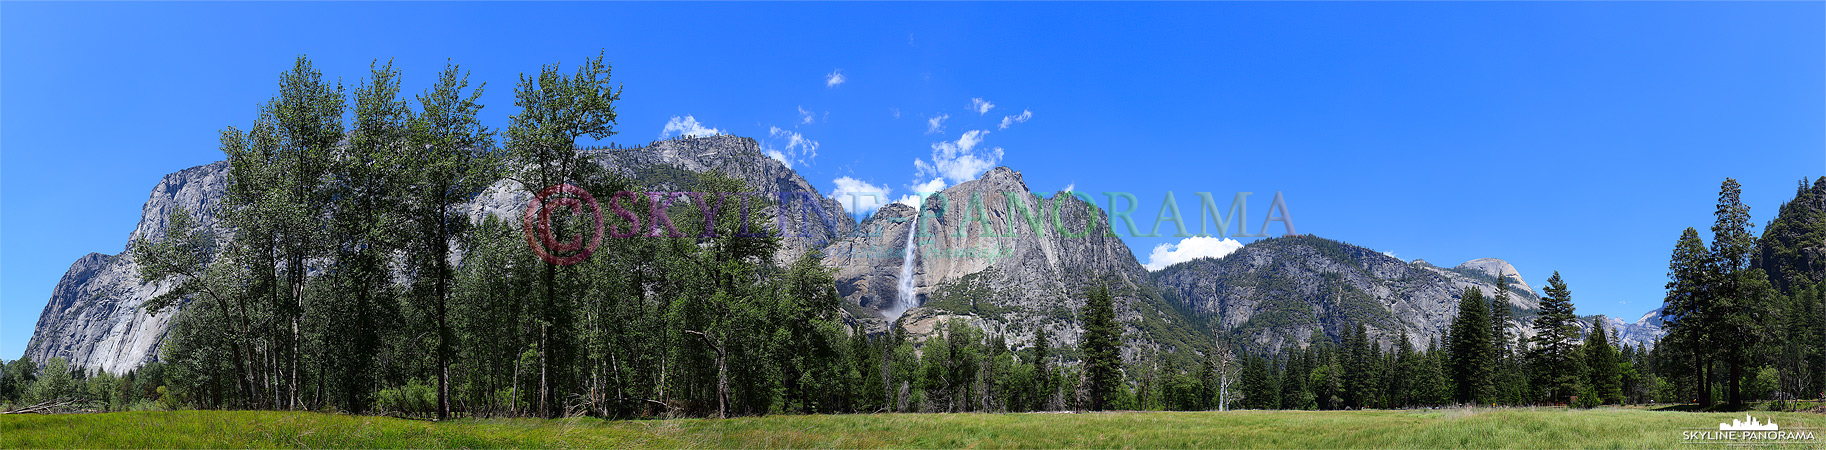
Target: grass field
x=1483, y=428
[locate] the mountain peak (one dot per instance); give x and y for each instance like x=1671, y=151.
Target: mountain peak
x=1497, y=268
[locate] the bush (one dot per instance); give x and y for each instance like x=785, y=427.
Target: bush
x=1588, y=398
x=415, y=398
x=146, y=405
x=168, y=400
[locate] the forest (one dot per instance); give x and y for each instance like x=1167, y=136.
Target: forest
x=350, y=282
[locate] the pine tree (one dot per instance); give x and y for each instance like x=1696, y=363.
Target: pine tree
x=1042, y=370
x=1471, y=349
x=1555, y=342
x=1403, y=373
x=1499, y=319
x=1605, y=377
x=1433, y=386
x=1100, y=345
x=1740, y=292
x=1294, y=391
x=1688, y=309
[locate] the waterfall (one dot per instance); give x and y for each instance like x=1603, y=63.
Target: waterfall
x=905, y=297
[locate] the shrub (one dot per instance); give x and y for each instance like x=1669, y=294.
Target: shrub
x=168, y=400
x=415, y=398
x=1588, y=398
x=145, y=405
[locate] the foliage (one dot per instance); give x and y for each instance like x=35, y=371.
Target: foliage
x=1556, y=367
x=1100, y=344
x=1472, y=350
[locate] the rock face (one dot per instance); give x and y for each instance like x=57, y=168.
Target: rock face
x=1792, y=250
x=94, y=317
x=814, y=220
x=810, y=221
x=991, y=252
x=1285, y=290
x=1643, y=332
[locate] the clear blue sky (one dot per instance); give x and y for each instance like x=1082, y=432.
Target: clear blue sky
x=1571, y=136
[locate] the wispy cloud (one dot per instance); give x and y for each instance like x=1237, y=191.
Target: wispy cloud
x=793, y=148
x=860, y=196
x=687, y=126
x=896, y=112
x=1011, y=120
x=834, y=78
x=936, y=125
x=981, y=106
x=1189, y=249
x=805, y=117
x=1072, y=187
x=959, y=160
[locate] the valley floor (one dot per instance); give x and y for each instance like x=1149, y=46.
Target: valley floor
x=1458, y=428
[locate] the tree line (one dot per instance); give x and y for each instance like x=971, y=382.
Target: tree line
x=351, y=280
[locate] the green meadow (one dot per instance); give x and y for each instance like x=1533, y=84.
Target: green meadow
x=1455, y=428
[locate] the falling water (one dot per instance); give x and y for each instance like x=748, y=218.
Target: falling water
x=905, y=298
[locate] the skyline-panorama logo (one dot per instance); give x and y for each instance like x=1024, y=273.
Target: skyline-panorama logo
x=1749, y=431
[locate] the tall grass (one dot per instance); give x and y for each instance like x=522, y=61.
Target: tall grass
x=1457, y=428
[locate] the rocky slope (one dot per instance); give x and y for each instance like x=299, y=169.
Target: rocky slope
x=1792, y=250
x=991, y=252
x=1284, y=290
x=94, y=317
x=1278, y=291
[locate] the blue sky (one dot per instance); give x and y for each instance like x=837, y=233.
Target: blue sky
x=1570, y=136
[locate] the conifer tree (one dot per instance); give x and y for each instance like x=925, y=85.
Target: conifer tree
x=1688, y=309
x=1605, y=376
x=1741, y=293
x=1555, y=343
x=1100, y=345
x=1471, y=349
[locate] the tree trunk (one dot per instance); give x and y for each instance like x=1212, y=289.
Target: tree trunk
x=545, y=391
x=1735, y=384
x=722, y=374
x=1705, y=386
x=443, y=339
x=442, y=250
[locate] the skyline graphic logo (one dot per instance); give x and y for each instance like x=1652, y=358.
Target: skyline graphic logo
x=1749, y=424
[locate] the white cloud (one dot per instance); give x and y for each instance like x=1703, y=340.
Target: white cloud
x=959, y=160
x=781, y=157
x=1391, y=255
x=920, y=191
x=1070, y=187
x=896, y=112
x=981, y=106
x=859, y=196
x=793, y=148
x=834, y=78
x=1189, y=249
x=687, y=126
x=805, y=117
x=936, y=125
x=1011, y=120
